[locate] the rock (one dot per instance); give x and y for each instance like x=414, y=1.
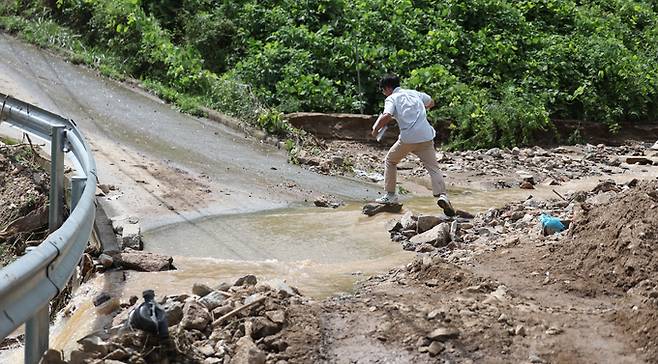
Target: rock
x=201, y=289
x=108, y=306
x=262, y=326
x=118, y=354
x=427, y=222
x=655, y=146
x=324, y=201
x=436, y=313
x=535, y=359
x=206, y=350
x=519, y=330
x=213, y=300
x=213, y=360
x=195, y=316
x=281, y=287
x=277, y=316
x=94, y=344
x=494, y=152
x=601, y=198
x=639, y=160
x=131, y=236
x=528, y=178
x=101, y=298
x=106, y=261
x=554, y=331
x=248, y=280
x=408, y=221
x=80, y=357
x=550, y=182
x=246, y=352
x=393, y=226
x=375, y=208
x=605, y=186
x=516, y=151
x=174, y=312
x=224, y=287
x=438, y=236
x=424, y=248
x=144, y=261
x=526, y=185
x=464, y=214
x=53, y=356
x=435, y=348
x=443, y=334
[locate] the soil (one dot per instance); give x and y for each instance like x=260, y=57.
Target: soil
x=24, y=187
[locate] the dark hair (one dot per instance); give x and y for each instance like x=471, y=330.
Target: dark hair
x=391, y=81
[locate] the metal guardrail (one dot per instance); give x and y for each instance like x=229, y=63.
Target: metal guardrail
x=28, y=284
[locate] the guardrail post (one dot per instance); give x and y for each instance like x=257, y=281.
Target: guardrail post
x=36, y=335
x=37, y=328
x=56, y=198
x=77, y=187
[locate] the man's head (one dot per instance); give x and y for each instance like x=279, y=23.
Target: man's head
x=389, y=83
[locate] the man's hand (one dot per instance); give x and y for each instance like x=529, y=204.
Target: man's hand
x=382, y=121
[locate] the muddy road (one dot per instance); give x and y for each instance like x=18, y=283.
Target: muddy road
x=151, y=150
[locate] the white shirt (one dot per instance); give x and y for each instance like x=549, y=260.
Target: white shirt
x=408, y=109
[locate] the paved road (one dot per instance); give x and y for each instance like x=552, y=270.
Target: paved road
x=188, y=167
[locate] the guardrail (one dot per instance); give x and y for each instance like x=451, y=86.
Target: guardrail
x=28, y=284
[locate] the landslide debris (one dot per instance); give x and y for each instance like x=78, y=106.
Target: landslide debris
x=24, y=187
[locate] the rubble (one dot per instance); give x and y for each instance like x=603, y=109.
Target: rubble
x=250, y=333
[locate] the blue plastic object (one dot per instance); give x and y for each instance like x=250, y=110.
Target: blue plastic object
x=551, y=225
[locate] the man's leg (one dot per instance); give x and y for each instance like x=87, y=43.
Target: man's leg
x=394, y=156
x=425, y=151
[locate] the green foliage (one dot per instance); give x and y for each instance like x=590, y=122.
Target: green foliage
x=497, y=69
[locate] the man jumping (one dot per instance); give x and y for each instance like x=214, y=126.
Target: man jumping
x=408, y=108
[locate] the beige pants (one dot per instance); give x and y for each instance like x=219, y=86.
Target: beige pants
x=425, y=151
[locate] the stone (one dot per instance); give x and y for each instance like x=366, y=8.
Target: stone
x=277, y=316
x=437, y=313
x=554, y=331
x=443, y=334
x=528, y=178
x=281, y=287
x=101, y=298
x=438, y=236
x=435, y=348
x=173, y=311
x=213, y=300
x=526, y=185
x=324, y=201
x=262, y=326
x=224, y=287
x=375, y=208
x=639, y=160
x=94, y=344
x=53, y=356
x=144, y=261
x=427, y=222
x=601, y=198
x=655, y=146
x=118, y=354
x=246, y=352
x=131, y=236
x=212, y=360
x=520, y=330
x=248, y=280
x=206, y=350
x=79, y=357
x=109, y=306
x=408, y=221
x=106, y=261
x=201, y=289
x=195, y=316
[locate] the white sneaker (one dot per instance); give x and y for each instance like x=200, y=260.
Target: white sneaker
x=445, y=204
x=388, y=199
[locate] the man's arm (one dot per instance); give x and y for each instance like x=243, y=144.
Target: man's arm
x=382, y=121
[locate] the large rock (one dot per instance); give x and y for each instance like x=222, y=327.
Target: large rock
x=131, y=236
x=195, y=316
x=408, y=221
x=438, y=236
x=639, y=160
x=246, y=352
x=213, y=300
x=374, y=208
x=262, y=326
x=174, y=312
x=443, y=334
x=281, y=287
x=143, y=261
x=427, y=222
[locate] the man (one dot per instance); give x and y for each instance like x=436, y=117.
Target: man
x=408, y=108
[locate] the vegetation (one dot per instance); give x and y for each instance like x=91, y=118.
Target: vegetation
x=499, y=70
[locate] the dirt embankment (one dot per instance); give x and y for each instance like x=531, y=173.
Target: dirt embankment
x=24, y=187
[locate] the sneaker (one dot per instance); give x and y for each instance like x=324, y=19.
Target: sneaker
x=388, y=199
x=445, y=204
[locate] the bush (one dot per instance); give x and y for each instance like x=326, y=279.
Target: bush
x=498, y=69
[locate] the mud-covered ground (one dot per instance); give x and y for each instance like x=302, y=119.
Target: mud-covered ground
x=24, y=187
x=490, y=289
